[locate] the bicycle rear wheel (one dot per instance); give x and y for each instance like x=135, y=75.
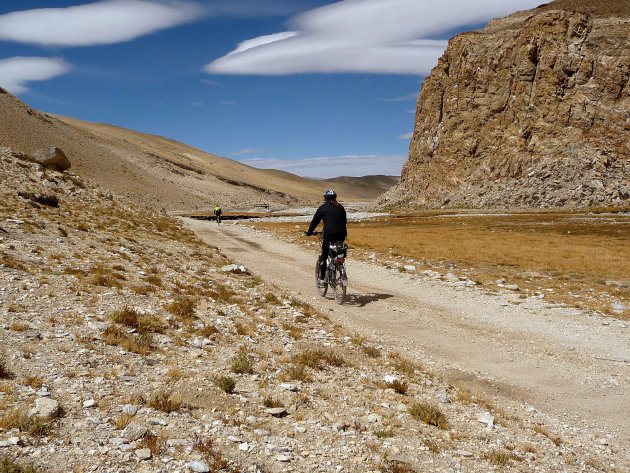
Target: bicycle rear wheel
x=340, y=284
x=322, y=289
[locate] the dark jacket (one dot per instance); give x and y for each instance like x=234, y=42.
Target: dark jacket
x=334, y=217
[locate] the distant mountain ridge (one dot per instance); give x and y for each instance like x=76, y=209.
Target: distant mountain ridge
x=531, y=112
x=159, y=172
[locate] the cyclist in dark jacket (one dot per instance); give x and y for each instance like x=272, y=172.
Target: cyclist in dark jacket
x=334, y=216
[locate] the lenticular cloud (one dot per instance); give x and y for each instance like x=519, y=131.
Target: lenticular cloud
x=105, y=22
x=363, y=36
x=16, y=72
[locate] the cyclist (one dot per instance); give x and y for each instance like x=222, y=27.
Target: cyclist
x=217, y=213
x=334, y=216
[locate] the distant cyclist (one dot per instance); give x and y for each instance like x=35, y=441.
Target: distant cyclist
x=334, y=216
x=217, y=213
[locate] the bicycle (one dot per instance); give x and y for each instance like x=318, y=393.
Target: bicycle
x=335, y=276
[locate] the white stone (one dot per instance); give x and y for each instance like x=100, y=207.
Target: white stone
x=89, y=403
x=198, y=467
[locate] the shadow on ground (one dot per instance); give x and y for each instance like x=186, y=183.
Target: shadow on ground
x=361, y=300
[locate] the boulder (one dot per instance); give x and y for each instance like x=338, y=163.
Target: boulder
x=45, y=408
x=52, y=157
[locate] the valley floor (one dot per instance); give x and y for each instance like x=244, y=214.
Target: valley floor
x=552, y=358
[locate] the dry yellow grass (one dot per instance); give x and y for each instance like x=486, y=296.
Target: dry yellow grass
x=569, y=253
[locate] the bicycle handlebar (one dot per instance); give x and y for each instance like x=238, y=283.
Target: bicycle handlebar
x=314, y=233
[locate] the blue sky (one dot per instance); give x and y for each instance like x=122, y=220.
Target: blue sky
x=319, y=88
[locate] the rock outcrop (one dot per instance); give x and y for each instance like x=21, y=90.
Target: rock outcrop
x=532, y=111
x=52, y=158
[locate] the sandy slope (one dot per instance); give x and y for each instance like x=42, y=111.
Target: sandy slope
x=158, y=172
x=556, y=359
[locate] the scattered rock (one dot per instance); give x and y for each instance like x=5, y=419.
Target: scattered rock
x=10, y=442
x=143, y=454
x=235, y=269
x=198, y=466
x=52, y=157
x=277, y=411
x=46, y=408
x=134, y=431
x=450, y=277
x=89, y=403
x=409, y=268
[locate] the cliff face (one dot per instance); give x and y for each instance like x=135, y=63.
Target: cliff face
x=533, y=111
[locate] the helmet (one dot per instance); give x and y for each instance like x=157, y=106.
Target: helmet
x=330, y=194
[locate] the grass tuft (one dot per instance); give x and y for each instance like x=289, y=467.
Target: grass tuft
x=183, y=308
x=225, y=384
x=429, y=414
x=242, y=363
x=318, y=358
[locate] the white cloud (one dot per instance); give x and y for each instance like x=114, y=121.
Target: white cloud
x=228, y=102
x=406, y=136
x=327, y=167
x=16, y=72
x=241, y=152
x=403, y=98
x=105, y=22
x=362, y=36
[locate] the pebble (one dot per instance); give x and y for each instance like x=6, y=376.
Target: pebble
x=134, y=432
x=130, y=409
x=289, y=387
x=46, y=408
x=143, y=454
x=284, y=458
x=198, y=467
x=277, y=411
x=11, y=441
x=89, y=403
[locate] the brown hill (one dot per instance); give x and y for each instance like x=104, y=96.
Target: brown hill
x=532, y=111
x=156, y=171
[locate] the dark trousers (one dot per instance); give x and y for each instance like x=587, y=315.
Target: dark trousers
x=327, y=240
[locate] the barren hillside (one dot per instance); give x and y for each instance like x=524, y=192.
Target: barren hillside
x=153, y=170
x=532, y=111
x=128, y=345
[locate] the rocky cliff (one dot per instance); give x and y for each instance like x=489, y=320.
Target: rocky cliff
x=532, y=111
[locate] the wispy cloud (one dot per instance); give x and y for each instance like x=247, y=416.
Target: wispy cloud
x=326, y=167
x=17, y=72
x=105, y=22
x=402, y=98
x=197, y=104
x=210, y=82
x=245, y=151
x=362, y=36
x=406, y=136
x=228, y=102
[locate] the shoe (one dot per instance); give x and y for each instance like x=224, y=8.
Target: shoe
x=321, y=282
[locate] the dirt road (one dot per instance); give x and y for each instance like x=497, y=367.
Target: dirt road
x=558, y=360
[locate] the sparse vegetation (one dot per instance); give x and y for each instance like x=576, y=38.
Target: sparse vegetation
x=9, y=466
x=183, y=308
x=242, y=363
x=165, y=401
x=5, y=373
x=143, y=324
x=141, y=344
x=501, y=457
x=371, y=351
x=542, y=430
x=430, y=414
x=19, y=418
x=318, y=358
x=384, y=433
x=225, y=384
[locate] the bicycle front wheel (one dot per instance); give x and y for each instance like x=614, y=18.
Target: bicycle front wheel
x=322, y=289
x=340, y=284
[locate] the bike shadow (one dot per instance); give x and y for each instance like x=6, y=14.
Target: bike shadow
x=361, y=300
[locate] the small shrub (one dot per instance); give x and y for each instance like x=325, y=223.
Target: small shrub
x=542, y=430
x=153, y=443
x=298, y=373
x=225, y=384
x=384, y=433
x=34, y=382
x=20, y=419
x=501, y=457
x=398, y=386
x=318, y=358
x=208, y=331
x=429, y=414
x=19, y=327
x=165, y=401
x=403, y=365
x=183, y=308
x=244, y=330
x=5, y=373
x=242, y=363
x=370, y=351
x=272, y=298
x=213, y=458
x=9, y=466
x=122, y=421
x=396, y=466
x=142, y=323
x=270, y=402
x=154, y=280
x=141, y=344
